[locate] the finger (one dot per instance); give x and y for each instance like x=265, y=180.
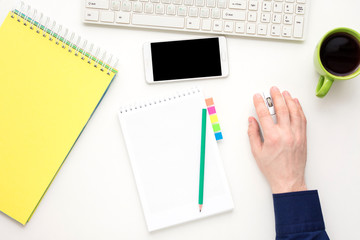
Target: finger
x=301, y=112
x=254, y=136
x=263, y=113
x=282, y=112
x=295, y=116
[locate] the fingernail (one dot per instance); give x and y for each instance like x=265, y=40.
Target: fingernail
x=297, y=101
x=275, y=88
x=287, y=93
x=249, y=119
x=257, y=95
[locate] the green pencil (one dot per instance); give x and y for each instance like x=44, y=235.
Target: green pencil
x=202, y=159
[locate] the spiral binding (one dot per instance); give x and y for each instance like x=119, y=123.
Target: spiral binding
x=151, y=103
x=65, y=38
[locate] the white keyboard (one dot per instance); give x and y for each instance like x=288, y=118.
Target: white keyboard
x=279, y=19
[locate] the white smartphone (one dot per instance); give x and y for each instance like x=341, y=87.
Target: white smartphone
x=194, y=59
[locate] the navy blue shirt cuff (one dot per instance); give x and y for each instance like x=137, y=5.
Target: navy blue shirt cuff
x=298, y=212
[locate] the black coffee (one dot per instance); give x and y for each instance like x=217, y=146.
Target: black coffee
x=340, y=54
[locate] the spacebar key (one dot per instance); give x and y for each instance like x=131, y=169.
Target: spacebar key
x=158, y=21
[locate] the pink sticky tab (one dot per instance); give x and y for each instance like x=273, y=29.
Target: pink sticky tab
x=211, y=110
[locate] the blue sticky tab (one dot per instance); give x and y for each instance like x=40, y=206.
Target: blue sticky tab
x=218, y=136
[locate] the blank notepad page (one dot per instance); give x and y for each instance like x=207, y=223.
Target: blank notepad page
x=163, y=141
x=47, y=96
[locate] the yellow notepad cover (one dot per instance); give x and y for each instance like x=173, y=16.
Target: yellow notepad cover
x=47, y=95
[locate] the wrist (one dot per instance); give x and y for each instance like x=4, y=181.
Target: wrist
x=289, y=188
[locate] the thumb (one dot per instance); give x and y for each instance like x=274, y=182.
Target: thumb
x=254, y=135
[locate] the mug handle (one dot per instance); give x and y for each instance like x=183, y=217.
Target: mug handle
x=323, y=86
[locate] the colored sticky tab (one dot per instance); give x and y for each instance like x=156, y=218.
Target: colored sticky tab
x=216, y=127
x=209, y=102
x=211, y=110
x=218, y=136
x=214, y=118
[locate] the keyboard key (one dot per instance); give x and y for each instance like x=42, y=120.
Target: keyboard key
x=100, y=4
x=237, y=4
x=107, y=17
x=216, y=13
x=193, y=12
x=301, y=1
x=276, y=18
x=234, y=14
x=289, y=8
x=298, y=27
x=158, y=21
x=92, y=15
x=217, y=26
x=252, y=16
x=166, y=1
x=182, y=11
x=126, y=6
x=122, y=17
x=204, y=12
x=262, y=29
x=170, y=10
x=200, y=3
x=221, y=3
x=155, y=1
x=253, y=5
x=229, y=27
x=266, y=7
x=177, y=2
x=265, y=17
x=300, y=9
x=278, y=7
x=211, y=3
x=193, y=23
x=286, y=31
x=115, y=5
x=159, y=9
x=206, y=24
x=149, y=8
x=189, y=2
x=137, y=7
x=288, y=19
x=251, y=28
x=275, y=30
x=290, y=1
x=240, y=27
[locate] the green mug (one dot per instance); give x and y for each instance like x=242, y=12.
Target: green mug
x=327, y=77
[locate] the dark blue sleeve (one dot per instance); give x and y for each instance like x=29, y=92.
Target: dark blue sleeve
x=298, y=216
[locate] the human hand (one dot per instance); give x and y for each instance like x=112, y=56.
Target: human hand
x=282, y=155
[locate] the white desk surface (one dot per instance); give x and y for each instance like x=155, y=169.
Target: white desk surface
x=94, y=195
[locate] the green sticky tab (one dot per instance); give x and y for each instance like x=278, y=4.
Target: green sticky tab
x=216, y=127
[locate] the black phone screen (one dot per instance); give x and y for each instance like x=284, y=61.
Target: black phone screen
x=186, y=59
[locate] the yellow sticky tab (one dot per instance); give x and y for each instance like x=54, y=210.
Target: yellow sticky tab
x=47, y=95
x=214, y=118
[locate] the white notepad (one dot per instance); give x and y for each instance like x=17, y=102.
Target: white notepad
x=163, y=140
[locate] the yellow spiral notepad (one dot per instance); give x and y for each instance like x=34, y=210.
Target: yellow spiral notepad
x=49, y=89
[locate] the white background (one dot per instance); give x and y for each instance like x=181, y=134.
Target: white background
x=94, y=195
